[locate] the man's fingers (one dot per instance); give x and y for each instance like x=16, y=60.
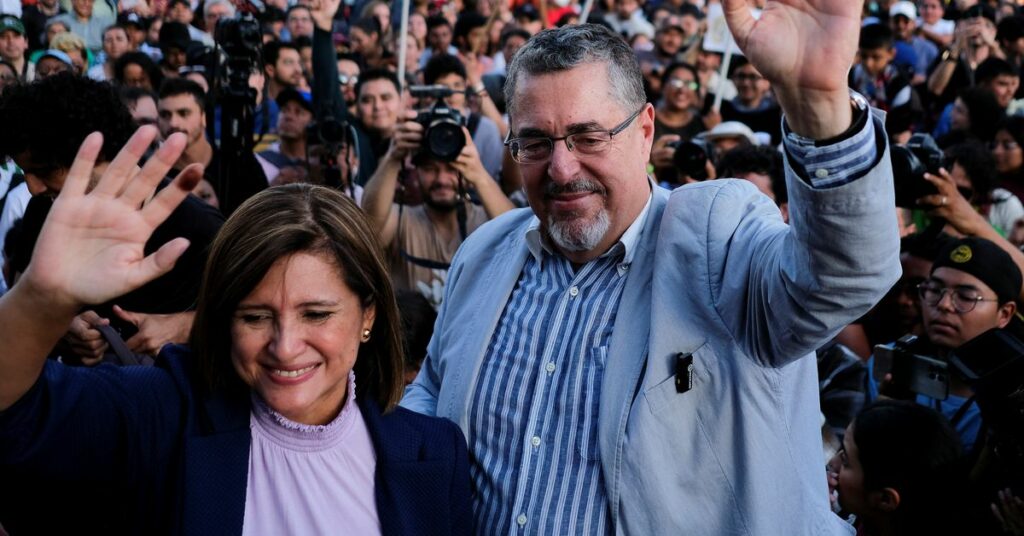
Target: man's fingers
x=143, y=184
x=137, y=343
x=124, y=165
x=127, y=316
x=81, y=169
x=739, y=19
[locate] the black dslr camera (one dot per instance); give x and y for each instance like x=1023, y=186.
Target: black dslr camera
x=690, y=158
x=442, y=125
x=910, y=162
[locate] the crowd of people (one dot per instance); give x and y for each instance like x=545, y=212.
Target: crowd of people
x=491, y=276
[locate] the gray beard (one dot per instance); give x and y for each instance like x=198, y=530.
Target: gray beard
x=576, y=236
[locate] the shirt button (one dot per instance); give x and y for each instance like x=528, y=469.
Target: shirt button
x=535, y=441
x=821, y=173
x=550, y=367
x=521, y=519
x=573, y=291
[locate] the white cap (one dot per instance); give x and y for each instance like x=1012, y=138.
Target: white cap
x=905, y=8
x=731, y=129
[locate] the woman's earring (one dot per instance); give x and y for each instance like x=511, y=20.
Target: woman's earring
x=366, y=335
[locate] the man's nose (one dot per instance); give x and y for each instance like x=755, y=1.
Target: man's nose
x=564, y=164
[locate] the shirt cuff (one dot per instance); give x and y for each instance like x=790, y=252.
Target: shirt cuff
x=841, y=160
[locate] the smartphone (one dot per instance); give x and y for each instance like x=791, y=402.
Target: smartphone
x=912, y=374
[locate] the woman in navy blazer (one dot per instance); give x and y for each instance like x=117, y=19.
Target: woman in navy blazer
x=296, y=302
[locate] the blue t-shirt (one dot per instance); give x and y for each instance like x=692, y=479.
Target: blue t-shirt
x=968, y=426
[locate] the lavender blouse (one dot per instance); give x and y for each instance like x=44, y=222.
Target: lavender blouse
x=307, y=479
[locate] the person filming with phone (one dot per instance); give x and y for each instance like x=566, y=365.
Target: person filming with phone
x=971, y=289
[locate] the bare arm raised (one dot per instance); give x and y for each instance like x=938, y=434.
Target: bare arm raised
x=90, y=250
x=805, y=49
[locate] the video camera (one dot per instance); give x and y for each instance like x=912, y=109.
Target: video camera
x=910, y=162
x=442, y=125
x=241, y=45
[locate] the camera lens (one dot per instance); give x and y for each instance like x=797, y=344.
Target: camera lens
x=444, y=140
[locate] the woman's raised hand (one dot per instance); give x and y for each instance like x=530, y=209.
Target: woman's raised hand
x=90, y=249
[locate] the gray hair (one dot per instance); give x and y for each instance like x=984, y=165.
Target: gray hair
x=561, y=49
x=211, y=3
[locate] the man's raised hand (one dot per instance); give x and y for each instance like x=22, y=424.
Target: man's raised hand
x=805, y=49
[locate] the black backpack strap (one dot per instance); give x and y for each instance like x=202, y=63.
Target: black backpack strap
x=119, y=353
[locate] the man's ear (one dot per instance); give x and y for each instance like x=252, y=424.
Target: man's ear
x=886, y=500
x=1006, y=312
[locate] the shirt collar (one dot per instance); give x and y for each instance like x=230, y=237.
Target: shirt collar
x=538, y=244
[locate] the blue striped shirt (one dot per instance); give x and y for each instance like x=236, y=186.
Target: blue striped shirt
x=533, y=421
x=532, y=418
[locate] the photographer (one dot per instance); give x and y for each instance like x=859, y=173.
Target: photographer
x=974, y=41
x=449, y=71
x=971, y=289
x=422, y=239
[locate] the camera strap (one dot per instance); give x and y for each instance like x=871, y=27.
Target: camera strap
x=960, y=413
x=429, y=263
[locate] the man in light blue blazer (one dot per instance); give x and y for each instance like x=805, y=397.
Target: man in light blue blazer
x=624, y=360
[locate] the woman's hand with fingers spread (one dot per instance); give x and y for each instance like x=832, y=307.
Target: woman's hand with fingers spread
x=90, y=249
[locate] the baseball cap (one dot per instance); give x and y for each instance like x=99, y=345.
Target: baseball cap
x=57, y=55
x=131, y=19
x=290, y=94
x=907, y=9
x=527, y=11
x=671, y=22
x=10, y=22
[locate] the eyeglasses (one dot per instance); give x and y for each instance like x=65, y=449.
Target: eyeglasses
x=1006, y=145
x=747, y=77
x=348, y=79
x=964, y=300
x=678, y=83
x=538, y=149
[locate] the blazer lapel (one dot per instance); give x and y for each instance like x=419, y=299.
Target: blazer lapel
x=628, y=349
x=501, y=273
x=217, y=468
x=411, y=493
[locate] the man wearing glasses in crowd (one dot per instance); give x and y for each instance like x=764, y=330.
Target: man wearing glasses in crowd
x=625, y=360
x=972, y=289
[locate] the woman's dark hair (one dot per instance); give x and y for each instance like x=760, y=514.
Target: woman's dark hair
x=152, y=70
x=984, y=111
x=1014, y=126
x=418, y=318
x=978, y=164
x=272, y=225
x=914, y=450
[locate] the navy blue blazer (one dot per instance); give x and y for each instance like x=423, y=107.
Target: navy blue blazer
x=137, y=450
